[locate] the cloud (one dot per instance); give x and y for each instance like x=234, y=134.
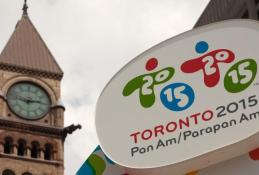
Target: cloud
x=92, y=40
x=52, y=2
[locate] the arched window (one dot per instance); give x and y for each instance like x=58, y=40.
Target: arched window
x=35, y=149
x=26, y=173
x=8, y=145
x=8, y=172
x=48, y=152
x=21, y=147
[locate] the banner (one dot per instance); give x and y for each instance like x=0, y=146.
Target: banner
x=245, y=164
x=99, y=164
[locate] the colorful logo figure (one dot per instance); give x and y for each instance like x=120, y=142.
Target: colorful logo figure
x=180, y=96
x=177, y=96
x=208, y=63
x=240, y=76
x=146, y=83
x=99, y=164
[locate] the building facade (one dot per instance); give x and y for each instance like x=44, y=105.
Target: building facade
x=218, y=10
x=32, y=129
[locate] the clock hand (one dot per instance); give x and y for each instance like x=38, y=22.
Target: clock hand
x=30, y=100
x=27, y=100
x=38, y=101
x=19, y=97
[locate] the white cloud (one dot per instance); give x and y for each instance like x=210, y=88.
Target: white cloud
x=92, y=40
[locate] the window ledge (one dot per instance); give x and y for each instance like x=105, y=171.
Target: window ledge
x=23, y=158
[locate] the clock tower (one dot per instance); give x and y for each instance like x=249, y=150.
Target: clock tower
x=32, y=129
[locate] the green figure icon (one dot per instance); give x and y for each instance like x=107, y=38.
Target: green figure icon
x=240, y=76
x=146, y=83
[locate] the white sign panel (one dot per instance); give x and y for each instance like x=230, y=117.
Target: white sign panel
x=185, y=101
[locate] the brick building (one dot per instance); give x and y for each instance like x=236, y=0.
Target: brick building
x=32, y=129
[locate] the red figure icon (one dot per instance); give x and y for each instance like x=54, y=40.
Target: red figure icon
x=208, y=63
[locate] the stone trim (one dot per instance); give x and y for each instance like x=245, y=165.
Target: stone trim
x=23, y=158
x=28, y=71
x=42, y=130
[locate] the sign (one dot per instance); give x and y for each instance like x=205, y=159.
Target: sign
x=185, y=104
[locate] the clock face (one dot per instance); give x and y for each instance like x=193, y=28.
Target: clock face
x=28, y=100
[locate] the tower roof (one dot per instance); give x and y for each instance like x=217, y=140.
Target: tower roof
x=26, y=52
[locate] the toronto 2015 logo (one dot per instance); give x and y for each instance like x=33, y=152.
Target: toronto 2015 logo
x=179, y=96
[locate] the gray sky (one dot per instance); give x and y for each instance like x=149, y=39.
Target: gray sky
x=91, y=40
